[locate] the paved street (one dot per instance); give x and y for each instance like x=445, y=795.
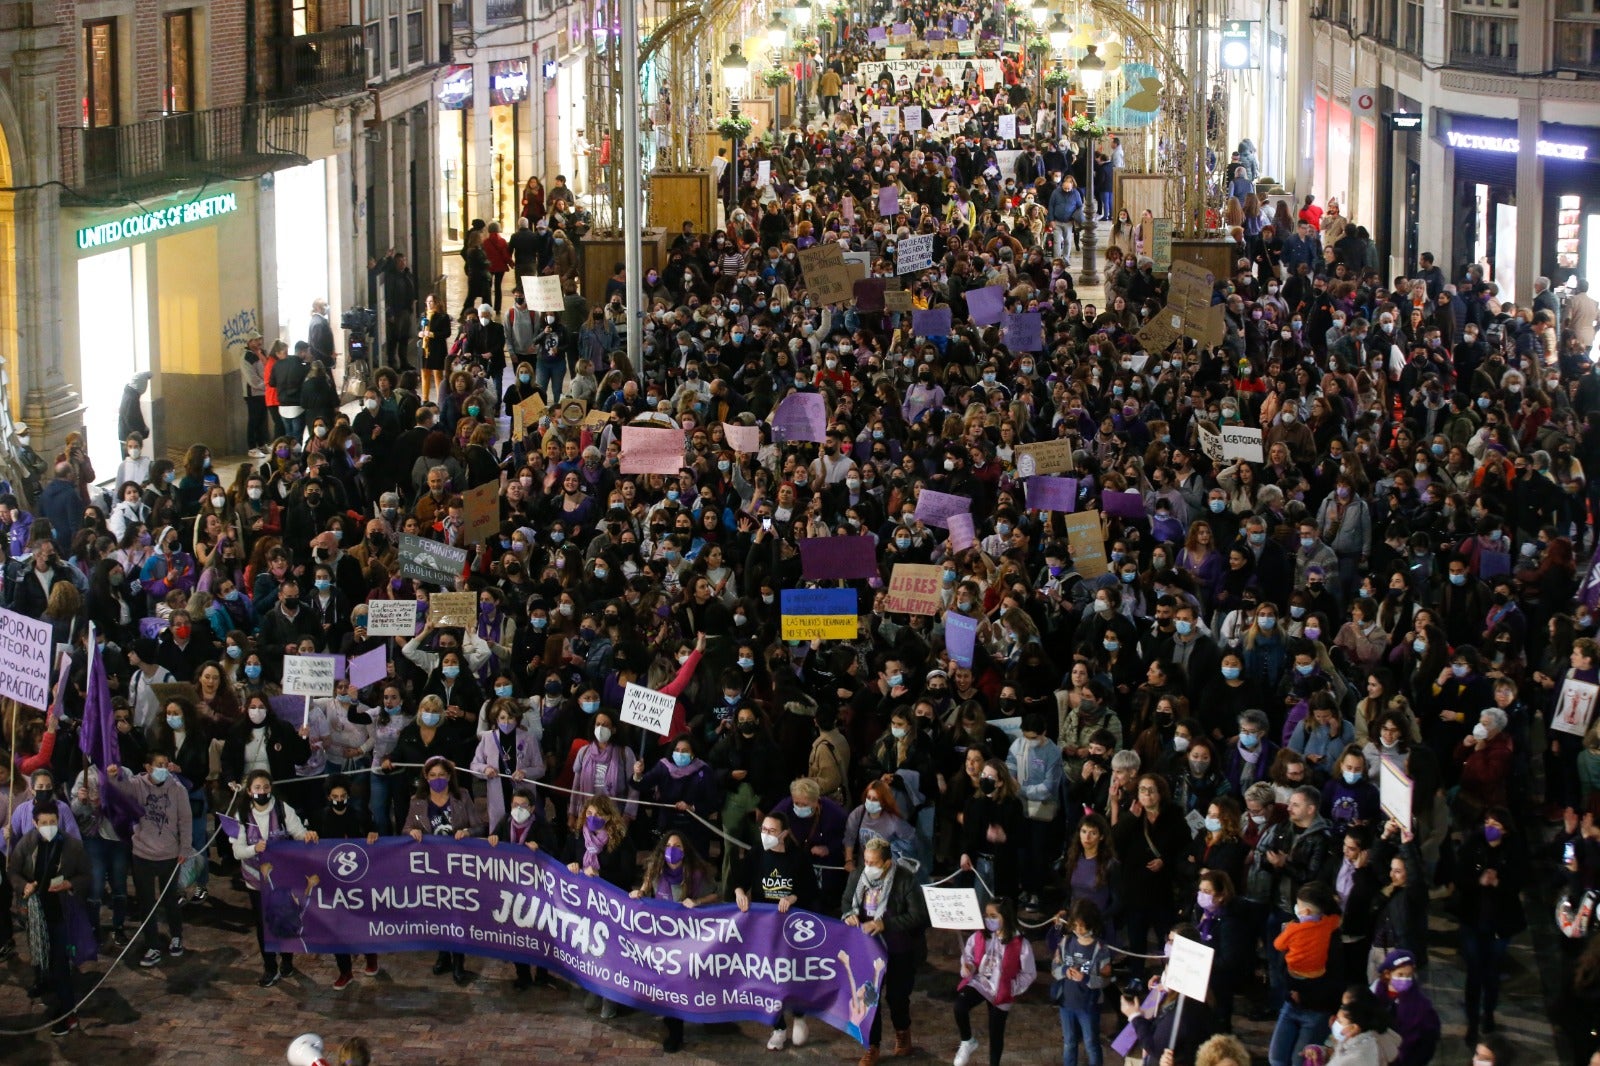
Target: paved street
x=206, y=1008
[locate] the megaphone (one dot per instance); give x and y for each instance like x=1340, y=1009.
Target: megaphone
x=307, y=1051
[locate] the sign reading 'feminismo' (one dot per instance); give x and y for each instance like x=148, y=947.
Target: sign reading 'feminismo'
x=147, y=222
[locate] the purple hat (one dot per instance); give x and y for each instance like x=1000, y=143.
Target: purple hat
x=1397, y=957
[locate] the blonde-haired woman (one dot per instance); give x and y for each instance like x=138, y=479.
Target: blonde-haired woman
x=600, y=849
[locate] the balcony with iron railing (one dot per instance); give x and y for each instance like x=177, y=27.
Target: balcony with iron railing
x=171, y=151
x=500, y=12
x=330, y=63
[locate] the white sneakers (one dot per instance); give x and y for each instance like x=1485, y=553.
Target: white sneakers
x=799, y=1033
x=777, y=1040
x=964, y=1052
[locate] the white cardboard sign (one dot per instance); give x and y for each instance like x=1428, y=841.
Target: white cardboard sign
x=648, y=709
x=1394, y=791
x=953, y=908
x=1243, y=442
x=1188, y=968
x=391, y=618
x=1575, y=709
x=308, y=675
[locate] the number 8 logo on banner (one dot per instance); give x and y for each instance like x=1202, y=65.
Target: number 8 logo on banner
x=348, y=863
x=804, y=932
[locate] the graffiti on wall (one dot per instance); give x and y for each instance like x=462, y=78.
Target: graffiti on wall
x=236, y=330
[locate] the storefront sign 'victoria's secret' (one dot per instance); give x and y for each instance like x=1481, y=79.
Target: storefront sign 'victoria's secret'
x=1511, y=146
x=147, y=222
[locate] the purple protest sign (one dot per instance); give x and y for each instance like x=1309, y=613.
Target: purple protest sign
x=710, y=964
x=986, y=306
x=1122, y=504
x=960, y=638
x=835, y=558
x=1493, y=564
x=903, y=28
x=1052, y=494
x=1024, y=332
x=888, y=201
x=800, y=416
x=868, y=293
x=935, y=508
x=369, y=667
x=934, y=322
x=963, y=534
x=877, y=33
x=959, y=27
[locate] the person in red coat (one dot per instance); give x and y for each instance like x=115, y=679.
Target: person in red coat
x=499, y=253
x=1485, y=759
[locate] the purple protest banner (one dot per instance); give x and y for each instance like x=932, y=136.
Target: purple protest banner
x=835, y=558
x=800, y=416
x=935, y=508
x=963, y=535
x=1024, y=332
x=709, y=964
x=934, y=322
x=888, y=201
x=986, y=306
x=903, y=28
x=1052, y=494
x=960, y=638
x=1122, y=504
x=877, y=33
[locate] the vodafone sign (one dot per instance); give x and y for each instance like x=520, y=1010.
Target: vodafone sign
x=1364, y=102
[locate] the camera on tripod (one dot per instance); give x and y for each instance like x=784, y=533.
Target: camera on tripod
x=359, y=320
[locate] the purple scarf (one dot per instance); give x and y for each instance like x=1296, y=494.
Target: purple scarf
x=678, y=773
x=594, y=842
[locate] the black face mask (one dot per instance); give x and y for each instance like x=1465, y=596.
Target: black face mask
x=747, y=729
x=986, y=785
x=338, y=805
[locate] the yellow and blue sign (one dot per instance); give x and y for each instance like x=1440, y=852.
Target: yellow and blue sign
x=819, y=614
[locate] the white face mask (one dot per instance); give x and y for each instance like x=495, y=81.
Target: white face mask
x=770, y=841
x=520, y=815
x=258, y=715
x=48, y=832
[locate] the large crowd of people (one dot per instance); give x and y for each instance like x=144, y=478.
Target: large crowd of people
x=1184, y=739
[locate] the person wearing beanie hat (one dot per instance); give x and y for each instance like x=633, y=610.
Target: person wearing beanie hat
x=1415, y=1019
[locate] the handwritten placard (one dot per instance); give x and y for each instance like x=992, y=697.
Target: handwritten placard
x=1394, y=791
x=453, y=609
x=391, y=618
x=914, y=588
x=1044, y=457
x=646, y=450
x=309, y=675
x=953, y=908
x=743, y=439
x=1087, y=541
x=545, y=294
x=1242, y=442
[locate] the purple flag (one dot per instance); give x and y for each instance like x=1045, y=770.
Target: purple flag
x=709, y=964
x=960, y=638
x=934, y=322
x=1052, y=494
x=888, y=201
x=1122, y=504
x=1024, y=332
x=97, y=739
x=800, y=416
x=985, y=306
x=834, y=558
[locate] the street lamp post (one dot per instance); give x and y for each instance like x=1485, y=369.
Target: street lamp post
x=1040, y=13
x=802, y=22
x=1060, y=37
x=736, y=76
x=1091, y=68
x=777, y=40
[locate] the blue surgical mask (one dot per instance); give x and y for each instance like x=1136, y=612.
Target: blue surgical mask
x=160, y=774
x=1231, y=673
x=1460, y=669
x=1353, y=777
x=804, y=812
x=450, y=671
x=747, y=663
x=590, y=706
x=252, y=671
x=1419, y=645
x=1249, y=740
x=431, y=719
x=1183, y=626
x=1218, y=506
x=539, y=623
x=174, y=722
x=1258, y=538
x=504, y=692
x=1304, y=669
x=1213, y=825
x=873, y=806
x=235, y=651
x=1267, y=621
x=1458, y=579
x=896, y=680
x=682, y=758
x=323, y=584
x=523, y=379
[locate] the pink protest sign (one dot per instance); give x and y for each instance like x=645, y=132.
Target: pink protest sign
x=651, y=451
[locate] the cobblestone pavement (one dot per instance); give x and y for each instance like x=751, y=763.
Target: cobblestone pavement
x=206, y=1008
